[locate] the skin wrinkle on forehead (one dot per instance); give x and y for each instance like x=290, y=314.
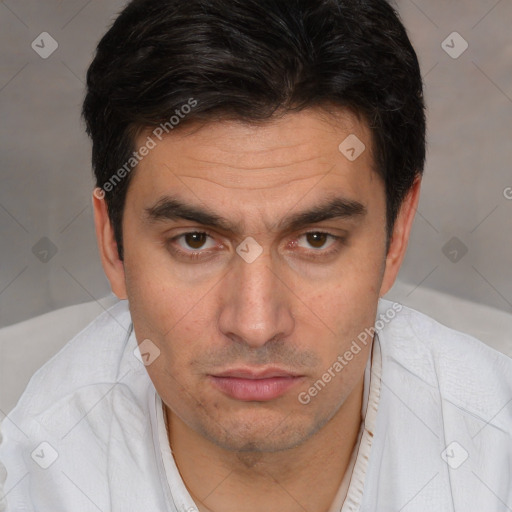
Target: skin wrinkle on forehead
x=332, y=123
x=234, y=180
x=262, y=168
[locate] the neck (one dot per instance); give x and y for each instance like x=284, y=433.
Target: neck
x=306, y=477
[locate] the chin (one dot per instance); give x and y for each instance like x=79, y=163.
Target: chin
x=268, y=435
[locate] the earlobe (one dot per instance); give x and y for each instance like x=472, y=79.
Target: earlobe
x=107, y=245
x=400, y=237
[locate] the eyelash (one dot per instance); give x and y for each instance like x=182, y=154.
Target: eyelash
x=315, y=255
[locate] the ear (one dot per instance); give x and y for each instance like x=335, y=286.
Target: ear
x=107, y=245
x=400, y=237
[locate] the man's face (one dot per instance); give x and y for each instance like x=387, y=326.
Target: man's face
x=294, y=308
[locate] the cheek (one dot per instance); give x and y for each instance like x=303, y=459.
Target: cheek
x=348, y=307
x=157, y=301
x=170, y=313
x=349, y=312
x=169, y=323
x=350, y=296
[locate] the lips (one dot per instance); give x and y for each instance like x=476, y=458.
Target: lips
x=247, y=373
x=247, y=384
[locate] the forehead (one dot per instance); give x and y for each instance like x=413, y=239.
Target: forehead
x=259, y=165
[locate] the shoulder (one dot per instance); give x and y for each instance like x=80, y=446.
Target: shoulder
x=88, y=404
x=87, y=368
x=465, y=371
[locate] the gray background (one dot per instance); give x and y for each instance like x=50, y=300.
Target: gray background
x=46, y=179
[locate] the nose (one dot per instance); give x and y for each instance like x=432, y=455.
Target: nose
x=255, y=303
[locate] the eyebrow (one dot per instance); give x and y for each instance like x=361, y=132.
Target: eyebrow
x=170, y=208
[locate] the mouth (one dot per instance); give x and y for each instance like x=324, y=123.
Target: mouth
x=247, y=384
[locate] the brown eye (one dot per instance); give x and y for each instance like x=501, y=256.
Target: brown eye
x=193, y=245
x=195, y=240
x=318, y=244
x=317, y=240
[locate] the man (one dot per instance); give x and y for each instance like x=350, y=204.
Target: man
x=258, y=167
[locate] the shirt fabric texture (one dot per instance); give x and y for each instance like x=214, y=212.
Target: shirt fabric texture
x=89, y=434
